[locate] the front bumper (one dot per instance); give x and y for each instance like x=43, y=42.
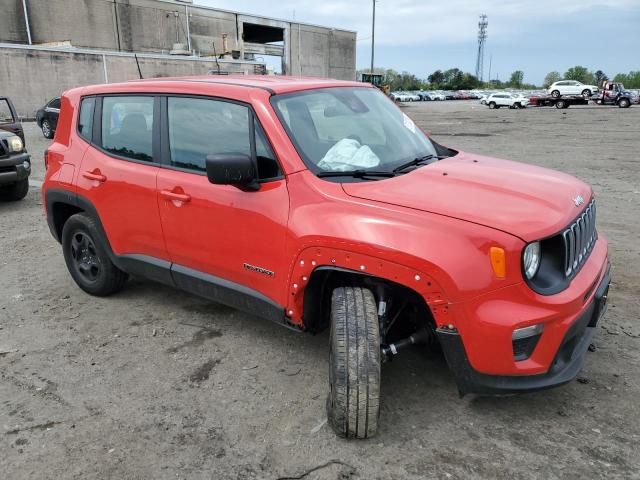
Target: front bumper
x=566, y=365
x=13, y=169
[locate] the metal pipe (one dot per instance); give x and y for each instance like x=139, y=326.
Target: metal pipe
x=26, y=21
x=104, y=66
x=186, y=12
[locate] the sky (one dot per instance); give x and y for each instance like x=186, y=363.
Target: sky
x=420, y=36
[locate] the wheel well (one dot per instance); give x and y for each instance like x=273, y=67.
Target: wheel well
x=406, y=305
x=61, y=213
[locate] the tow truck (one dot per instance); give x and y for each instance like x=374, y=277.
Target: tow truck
x=614, y=93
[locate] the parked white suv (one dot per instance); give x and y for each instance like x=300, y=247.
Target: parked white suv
x=571, y=87
x=497, y=100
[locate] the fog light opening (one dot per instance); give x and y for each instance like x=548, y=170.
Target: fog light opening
x=524, y=341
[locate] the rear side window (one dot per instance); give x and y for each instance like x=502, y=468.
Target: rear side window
x=127, y=126
x=85, y=121
x=202, y=127
x=55, y=103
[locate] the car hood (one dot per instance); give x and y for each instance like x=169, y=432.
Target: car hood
x=526, y=201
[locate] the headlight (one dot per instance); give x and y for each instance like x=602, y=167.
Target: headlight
x=15, y=144
x=531, y=259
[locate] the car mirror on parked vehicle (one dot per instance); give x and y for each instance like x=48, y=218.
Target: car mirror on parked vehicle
x=232, y=169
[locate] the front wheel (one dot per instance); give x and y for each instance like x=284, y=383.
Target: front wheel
x=87, y=260
x=16, y=191
x=353, y=404
x=586, y=93
x=561, y=104
x=624, y=103
x=492, y=105
x=555, y=94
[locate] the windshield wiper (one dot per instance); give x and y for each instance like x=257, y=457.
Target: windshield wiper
x=357, y=174
x=415, y=162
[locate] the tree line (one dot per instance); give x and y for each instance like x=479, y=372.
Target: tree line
x=456, y=79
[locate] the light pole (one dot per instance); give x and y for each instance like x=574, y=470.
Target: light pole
x=373, y=35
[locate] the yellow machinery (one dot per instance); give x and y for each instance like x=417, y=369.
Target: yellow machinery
x=377, y=80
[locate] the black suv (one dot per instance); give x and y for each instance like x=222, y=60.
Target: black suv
x=15, y=167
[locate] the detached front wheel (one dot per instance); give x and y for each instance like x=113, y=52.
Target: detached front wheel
x=353, y=405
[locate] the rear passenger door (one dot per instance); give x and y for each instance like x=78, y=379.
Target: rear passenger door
x=118, y=172
x=216, y=234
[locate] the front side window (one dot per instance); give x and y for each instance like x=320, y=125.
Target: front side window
x=5, y=112
x=55, y=103
x=127, y=126
x=346, y=129
x=85, y=121
x=199, y=127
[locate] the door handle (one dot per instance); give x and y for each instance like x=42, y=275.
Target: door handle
x=95, y=175
x=180, y=197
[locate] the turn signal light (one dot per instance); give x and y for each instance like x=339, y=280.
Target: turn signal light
x=498, y=261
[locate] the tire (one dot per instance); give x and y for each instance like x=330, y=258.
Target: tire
x=353, y=404
x=555, y=94
x=586, y=93
x=624, y=103
x=87, y=260
x=16, y=191
x=561, y=104
x=492, y=105
x=47, y=130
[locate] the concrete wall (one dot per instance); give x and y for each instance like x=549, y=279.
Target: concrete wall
x=32, y=76
x=150, y=26
x=12, y=25
x=85, y=23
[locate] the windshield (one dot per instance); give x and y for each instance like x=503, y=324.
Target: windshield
x=347, y=129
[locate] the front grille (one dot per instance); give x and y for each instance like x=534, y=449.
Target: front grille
x=4, y=148
x=579, y=239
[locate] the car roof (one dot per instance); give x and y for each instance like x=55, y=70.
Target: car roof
x=275, y=84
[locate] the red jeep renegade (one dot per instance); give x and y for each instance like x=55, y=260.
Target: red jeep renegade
x=319, y=204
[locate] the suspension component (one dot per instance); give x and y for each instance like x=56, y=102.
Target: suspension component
x=419, y=337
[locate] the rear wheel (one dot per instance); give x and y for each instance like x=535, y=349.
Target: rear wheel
x=47, y=130
x=561, y=104
x=88, y=262
x=353, y=404
x=16, y=191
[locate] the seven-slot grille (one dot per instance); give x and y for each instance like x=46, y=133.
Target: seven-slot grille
x=579, y=238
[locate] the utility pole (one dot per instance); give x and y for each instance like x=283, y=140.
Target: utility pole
x=373, y=35
x=482, y=38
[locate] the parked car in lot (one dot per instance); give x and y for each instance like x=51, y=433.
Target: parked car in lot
x=47, y=117
x=497, y=100
x=319, y=204
x=15, y=167
x=571, y=87
x=9, y=120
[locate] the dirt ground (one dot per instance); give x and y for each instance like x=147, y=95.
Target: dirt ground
x=157, y=384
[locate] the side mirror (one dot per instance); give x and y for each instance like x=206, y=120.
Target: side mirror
x=232, y=169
